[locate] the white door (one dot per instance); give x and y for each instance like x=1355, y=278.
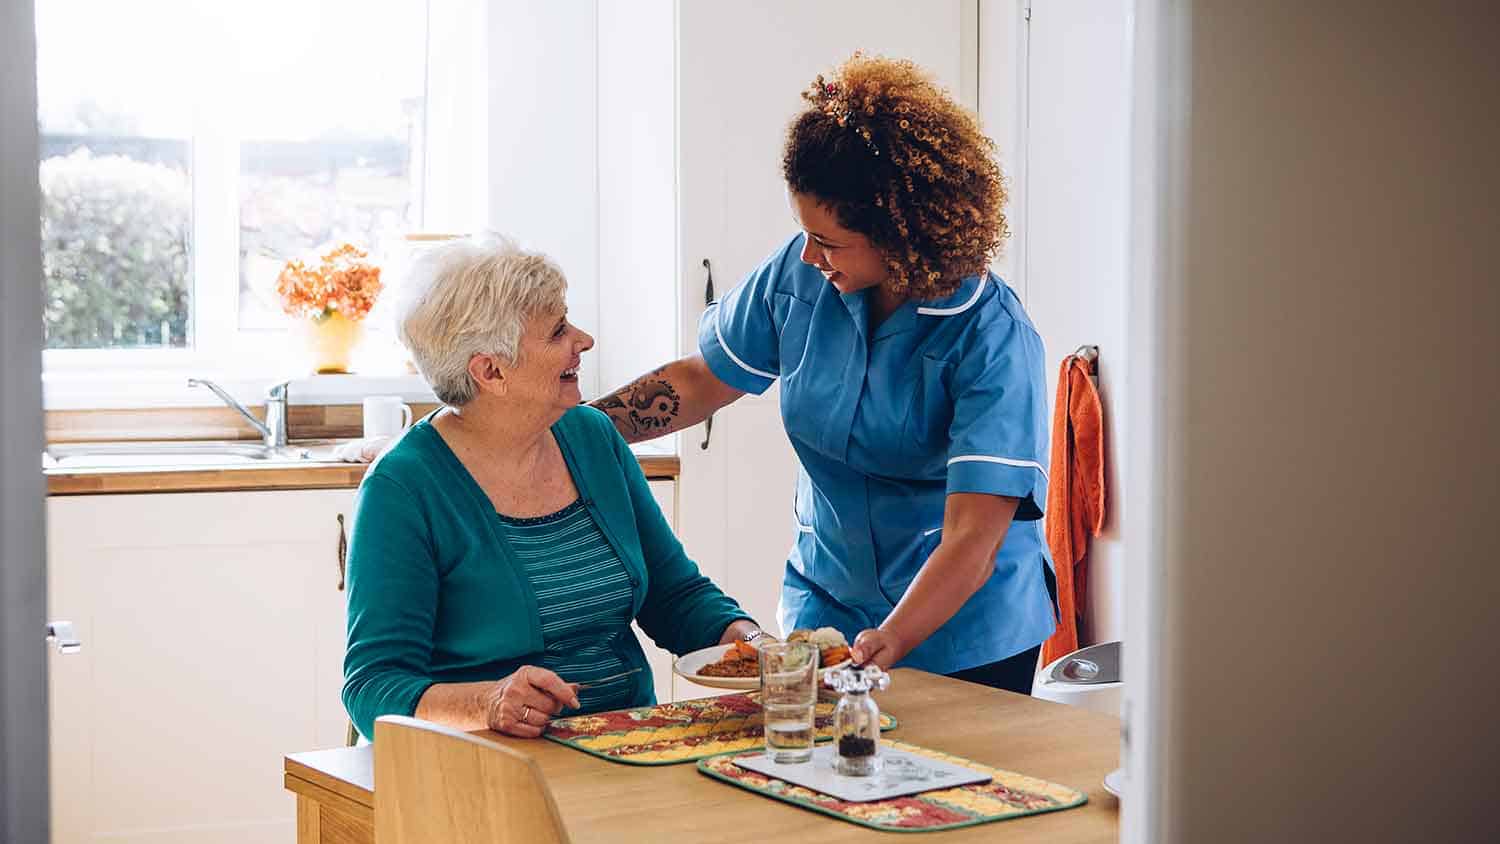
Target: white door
x=741, y=70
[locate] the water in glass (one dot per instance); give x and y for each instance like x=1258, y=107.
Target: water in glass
x=789, y=693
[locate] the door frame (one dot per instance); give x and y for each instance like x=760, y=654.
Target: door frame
x=1003, y=105
x=23, y=657
x=1159, y=94
x=1156, y=285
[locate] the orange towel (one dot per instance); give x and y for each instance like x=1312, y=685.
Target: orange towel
x=1075, y=497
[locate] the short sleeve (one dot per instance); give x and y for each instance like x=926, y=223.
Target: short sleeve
x=998, y=439
x=738, y=335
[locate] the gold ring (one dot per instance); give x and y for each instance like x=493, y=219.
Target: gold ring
x=525, y=711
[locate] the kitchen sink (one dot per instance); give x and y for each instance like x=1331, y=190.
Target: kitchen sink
x=116, y=455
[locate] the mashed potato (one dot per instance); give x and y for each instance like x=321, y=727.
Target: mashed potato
x=826, y=637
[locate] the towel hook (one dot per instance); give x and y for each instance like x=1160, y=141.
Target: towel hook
x=1089, y=354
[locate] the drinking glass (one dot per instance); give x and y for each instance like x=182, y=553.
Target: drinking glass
x=789, y=693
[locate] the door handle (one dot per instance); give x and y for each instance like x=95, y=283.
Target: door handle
x=60, y=633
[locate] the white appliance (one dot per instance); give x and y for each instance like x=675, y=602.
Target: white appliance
x=1088, y=677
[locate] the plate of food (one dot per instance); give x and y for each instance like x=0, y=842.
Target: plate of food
x=737, y=665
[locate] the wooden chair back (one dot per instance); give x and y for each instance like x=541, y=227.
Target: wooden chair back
x=434, y=783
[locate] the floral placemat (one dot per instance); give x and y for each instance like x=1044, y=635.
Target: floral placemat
x=1008, y=795
x=669, y=733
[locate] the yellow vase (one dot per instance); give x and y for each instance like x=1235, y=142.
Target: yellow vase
x=331, y=341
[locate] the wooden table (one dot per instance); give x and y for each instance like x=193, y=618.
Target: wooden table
x=606, y=801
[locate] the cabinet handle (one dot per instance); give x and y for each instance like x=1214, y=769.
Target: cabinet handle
x=60, y=633
x=343, y=551
x=708, y=299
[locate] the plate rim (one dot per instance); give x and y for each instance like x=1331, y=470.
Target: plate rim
x=740, y=683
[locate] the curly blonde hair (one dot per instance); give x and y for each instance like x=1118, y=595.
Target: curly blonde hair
x=896, y=159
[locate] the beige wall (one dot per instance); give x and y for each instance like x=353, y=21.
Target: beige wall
x=1332, y=470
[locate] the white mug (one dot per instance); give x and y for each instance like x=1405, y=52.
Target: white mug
x=386, y=416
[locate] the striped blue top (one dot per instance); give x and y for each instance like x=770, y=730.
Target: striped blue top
x=584, y=596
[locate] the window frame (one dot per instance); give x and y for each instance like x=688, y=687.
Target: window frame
x=248, y=361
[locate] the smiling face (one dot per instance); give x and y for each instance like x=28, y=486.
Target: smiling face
x=846, y=258
x=547, y=372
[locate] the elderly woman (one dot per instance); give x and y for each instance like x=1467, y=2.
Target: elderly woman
x=502, y=547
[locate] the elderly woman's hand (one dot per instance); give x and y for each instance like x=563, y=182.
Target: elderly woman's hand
x=521, y=705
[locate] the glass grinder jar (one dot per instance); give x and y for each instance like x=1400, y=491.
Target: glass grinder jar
x=856, y=719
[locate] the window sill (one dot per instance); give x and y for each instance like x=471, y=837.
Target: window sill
x=158, y=388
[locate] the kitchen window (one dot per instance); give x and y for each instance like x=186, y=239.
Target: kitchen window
x=189, y=149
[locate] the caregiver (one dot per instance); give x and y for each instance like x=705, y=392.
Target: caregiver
x=911, y=384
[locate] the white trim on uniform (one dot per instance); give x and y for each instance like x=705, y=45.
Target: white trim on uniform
x=801, y=528
x=931, y=531
x=1004, y=461
x=978, y=289
x=719, y=335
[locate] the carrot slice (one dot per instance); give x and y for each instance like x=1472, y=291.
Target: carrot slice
x=834, y=655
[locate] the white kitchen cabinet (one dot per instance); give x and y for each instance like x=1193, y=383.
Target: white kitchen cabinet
x=213, y=644
x=213, y=640
x=669, y=687
x=660, y=660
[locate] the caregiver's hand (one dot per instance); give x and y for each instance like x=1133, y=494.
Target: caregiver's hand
x=741, y=629
x=521, y=705
x=877, y=646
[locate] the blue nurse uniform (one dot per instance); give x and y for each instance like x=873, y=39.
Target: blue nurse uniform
x=943, y=396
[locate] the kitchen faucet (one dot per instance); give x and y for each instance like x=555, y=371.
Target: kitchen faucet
x=273, y=430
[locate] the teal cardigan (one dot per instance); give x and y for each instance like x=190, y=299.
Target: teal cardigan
x=437, y=596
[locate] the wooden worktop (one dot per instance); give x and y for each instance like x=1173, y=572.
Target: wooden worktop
x=601, y=800
x=239, y=477
x=325, y=423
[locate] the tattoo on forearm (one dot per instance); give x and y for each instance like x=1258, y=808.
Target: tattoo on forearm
x=650, y=404
x=617, y=412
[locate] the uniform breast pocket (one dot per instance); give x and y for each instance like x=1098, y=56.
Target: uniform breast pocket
x=925, y=434
x=793, y=318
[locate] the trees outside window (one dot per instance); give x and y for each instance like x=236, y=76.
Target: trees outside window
x=189, y=150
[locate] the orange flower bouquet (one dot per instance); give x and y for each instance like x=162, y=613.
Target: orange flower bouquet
x=333, y=299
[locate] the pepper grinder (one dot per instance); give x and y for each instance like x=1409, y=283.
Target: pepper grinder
x=856, y=719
